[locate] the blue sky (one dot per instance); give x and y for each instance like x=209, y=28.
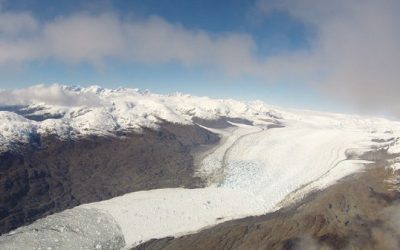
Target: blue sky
x=269, y=50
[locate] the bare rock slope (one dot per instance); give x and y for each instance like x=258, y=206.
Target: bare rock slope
x=51, y=175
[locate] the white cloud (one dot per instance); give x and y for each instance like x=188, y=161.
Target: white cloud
x=95, y=38
x=13, y=24
x=84, y=38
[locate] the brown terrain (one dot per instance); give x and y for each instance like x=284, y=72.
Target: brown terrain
x=361, y=211
x=49, y=175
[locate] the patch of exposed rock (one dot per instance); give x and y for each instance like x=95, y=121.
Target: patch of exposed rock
x=221, y=123
x=52, y=175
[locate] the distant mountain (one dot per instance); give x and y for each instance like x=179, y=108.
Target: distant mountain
x=72, y=112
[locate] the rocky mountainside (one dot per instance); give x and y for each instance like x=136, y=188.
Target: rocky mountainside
x=54, y=174
x=62, y=146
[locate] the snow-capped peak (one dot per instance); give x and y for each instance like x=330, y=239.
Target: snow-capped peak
x=74, y=110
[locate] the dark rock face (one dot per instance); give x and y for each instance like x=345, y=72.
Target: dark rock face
x=53, y=175
x=221, y=123
x=359, y=212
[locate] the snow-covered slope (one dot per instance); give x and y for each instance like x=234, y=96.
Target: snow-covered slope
x=74, y=111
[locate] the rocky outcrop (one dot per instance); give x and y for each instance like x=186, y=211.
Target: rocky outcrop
x=51, y=174
x=359, y=212
x=221, y=123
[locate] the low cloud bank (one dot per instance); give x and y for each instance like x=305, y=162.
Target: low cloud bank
x=54, y=94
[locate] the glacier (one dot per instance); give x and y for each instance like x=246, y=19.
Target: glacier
x=252, y=171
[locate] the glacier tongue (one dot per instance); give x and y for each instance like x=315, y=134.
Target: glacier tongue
x=251, y=172
x=77, y=228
